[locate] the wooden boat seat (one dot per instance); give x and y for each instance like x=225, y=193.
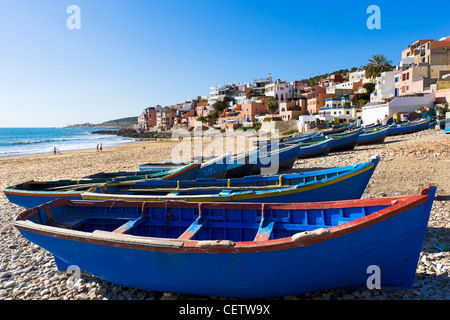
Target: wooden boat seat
x=265, y=230
x=127, y=227
x=70, y=222
x=193, y=229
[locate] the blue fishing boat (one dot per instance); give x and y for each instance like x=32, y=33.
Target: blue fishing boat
x=408, y=127
x=342, y=183
x=33, y=193
x=444, y=124
x=273, y=161
x=344, y=142
x=372, y=136
x=335, y=129
x=341, y=142
x=213, y=168
x=301, y=137
x=315, y=148
x=268, y=158
x=236, y=250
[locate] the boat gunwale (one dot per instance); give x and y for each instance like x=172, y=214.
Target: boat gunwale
x=12, y=190
x=396, y=206
x=275, y=191
x=373, y=132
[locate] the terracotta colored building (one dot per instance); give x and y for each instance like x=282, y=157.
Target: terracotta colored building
x=317, y=101
x=238, y=114
x=203, y=109
x=147, y=119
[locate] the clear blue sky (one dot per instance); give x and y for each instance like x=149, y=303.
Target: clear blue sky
x=132, y=54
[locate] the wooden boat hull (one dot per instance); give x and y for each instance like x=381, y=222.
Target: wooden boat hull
x=34, y=193
x=344, y=142
x=324, y=185
x=344, y=247
x=215, y=168
x=339, y=129
x=238, y=170
x=372, y=137
x=274, y=161
x=322, y=148
x=407, y=128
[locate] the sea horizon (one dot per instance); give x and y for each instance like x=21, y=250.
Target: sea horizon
x=21, y=141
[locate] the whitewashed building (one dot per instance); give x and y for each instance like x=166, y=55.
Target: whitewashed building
x=279, y=90
x=357, y=75
x=373, y=112
x=384, y=87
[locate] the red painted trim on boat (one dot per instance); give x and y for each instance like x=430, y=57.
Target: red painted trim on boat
x=397, y=205
x=37, y=194
x=195, y=165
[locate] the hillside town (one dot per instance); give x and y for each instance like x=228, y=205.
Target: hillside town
x=420, y=81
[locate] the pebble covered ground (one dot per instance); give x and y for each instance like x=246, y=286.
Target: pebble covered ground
x=407, y=164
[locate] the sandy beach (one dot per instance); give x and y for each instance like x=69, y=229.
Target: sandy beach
x=407, y=164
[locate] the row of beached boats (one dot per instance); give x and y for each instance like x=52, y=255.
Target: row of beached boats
x=213, y=228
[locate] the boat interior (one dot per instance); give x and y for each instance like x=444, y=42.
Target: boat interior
x=195, y=221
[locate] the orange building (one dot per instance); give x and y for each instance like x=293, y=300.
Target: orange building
x=147, y=119
x=317, y=101
x=238, y=114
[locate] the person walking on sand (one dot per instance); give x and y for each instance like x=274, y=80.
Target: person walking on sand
x=54, y=150
x=101, y=146
x=97, y=147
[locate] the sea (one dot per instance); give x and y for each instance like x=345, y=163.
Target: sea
x=28, y=141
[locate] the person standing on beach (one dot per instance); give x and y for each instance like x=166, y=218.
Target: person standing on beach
x=54, y=150
x=101, y=146
x=97, y=147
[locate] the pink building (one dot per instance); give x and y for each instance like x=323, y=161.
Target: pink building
x=403, y=81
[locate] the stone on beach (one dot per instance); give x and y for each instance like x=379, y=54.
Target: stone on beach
x=407, y=164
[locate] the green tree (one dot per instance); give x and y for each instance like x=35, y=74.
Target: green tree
x=370, y=87
x=272, y=105
x=377, y=64
x=220, y=105
x=251, y=93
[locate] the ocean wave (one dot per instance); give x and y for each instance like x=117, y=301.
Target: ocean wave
x=14, y=143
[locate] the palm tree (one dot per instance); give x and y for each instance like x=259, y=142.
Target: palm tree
x=377, y=64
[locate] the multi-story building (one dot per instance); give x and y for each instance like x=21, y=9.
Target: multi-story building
x=403, y=79
x=384, y=87
x=299, y=86
x=358, y=75
x=279, y=90
x=165, y=118
x=339, y=107
x=316, y=99
x=331, y=80
x=240, y=114
x=203, y=109
x=422, y=59
x=148, y=118
x=259, y=85
x=219, y=93
x=289, y=110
